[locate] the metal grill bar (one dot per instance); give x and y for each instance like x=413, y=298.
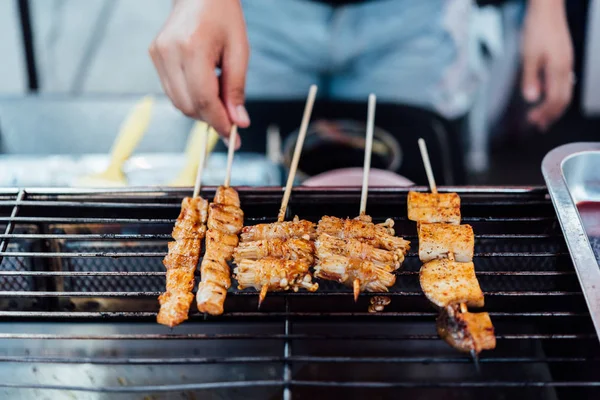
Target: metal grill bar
x=279, y=336
x=11, y=226
x=248, y=314
x=288, y=360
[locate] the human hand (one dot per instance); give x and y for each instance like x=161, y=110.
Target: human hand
x=198, y=37
x=547, y=61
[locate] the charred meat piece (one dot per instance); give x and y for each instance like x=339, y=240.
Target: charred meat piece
x=446, y=282
x=225, y=221
x=296, y=228
x=446, y=241
x=466, y=331
x=274, y=274
x=182, y=260
x=432, y=208
x=361, y=275
x=288, y=249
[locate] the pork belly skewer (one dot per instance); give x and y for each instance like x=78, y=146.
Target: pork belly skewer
x=356, y=252
x=449, y=284
x=182, y=258
x=277, y=256
x=225, y=221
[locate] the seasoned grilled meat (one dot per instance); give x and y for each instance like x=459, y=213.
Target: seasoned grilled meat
x=446, y=282
x=225, y=220
x=380, y=235
x=182, y=260
x=446, y=241
x=466, y=331
x=328, y=245
x=434, y=207
x=289, y=249
x=361, y=275
x=274, y=274
x=280, y=230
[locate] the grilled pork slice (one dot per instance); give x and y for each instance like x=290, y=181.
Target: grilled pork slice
x=439, y=240
x=224, y=224
x=225, y=219
x=274, y=274
x=466, y=331
x=213, y=288
x=182, y=260
x=446, y=282
x=227, y=196
x=361, y=275
x=433, y=208
x=289, y=249
x=328, y=245
x=378, y=235
x=296, y=228
x=191, y=222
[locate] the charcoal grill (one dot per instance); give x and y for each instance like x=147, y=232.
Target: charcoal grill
x=81, y=271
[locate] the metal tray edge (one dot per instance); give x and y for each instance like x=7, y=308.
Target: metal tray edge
x=584, y=260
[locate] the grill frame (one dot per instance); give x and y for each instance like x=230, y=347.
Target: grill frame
x=20, y=210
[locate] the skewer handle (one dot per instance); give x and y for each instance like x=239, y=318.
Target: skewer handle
x=427, y=164
x=310, y=101
x=203, y=150
x=368, y=150
x=230, y=150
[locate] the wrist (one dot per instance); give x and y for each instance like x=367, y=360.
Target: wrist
x=553, y=6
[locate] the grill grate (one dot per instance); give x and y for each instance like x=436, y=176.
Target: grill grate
x=81, y=271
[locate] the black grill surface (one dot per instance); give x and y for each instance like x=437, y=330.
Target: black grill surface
x=81, y=272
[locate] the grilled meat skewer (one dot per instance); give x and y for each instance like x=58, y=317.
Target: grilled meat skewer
x=465, y=331
x=182, y=260
x=434, y=208
x=225, y=221
x=447, y=282
x=446, y=241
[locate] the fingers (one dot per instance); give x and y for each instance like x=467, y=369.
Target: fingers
x=167, y=60
x=233, y=81
x=558, y=88
x=531, y=84
x=203, y=85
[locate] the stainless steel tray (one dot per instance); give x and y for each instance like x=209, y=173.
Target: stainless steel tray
x=572, y=173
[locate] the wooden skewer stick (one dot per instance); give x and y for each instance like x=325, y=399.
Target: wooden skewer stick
x=310, y=101
x=368, y=149
x=427, y=164
x=364, y=193
x=433, y=187
x=230, y=151
x=200, y=170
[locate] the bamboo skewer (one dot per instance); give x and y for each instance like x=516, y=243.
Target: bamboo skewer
x=200, y=171
x=310, y=101
x=230, y=151
x=366, y=171
x=433, y=188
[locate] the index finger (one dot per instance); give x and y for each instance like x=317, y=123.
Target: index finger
x=203, y=86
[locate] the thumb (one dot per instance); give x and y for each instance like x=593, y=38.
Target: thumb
x=233, y=81
x=530, y=81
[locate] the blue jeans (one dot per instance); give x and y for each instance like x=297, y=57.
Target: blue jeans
x=416, y=52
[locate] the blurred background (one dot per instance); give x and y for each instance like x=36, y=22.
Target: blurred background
x=71, y=71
